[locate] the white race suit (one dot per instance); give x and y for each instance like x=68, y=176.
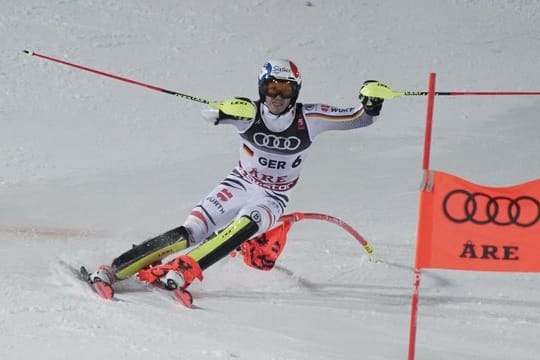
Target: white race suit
x=272, y=152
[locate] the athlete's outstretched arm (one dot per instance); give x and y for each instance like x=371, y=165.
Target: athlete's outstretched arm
x=321, y=118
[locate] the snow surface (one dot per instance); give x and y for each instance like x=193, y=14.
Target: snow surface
x=89, y=165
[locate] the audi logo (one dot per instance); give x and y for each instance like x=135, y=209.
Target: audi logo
x=461, y=206
x=276, y=142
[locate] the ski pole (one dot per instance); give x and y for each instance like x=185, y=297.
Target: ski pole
x=248, y=111
x=380, y=90
x=297, y=216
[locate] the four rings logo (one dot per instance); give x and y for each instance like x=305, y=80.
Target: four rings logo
x=461, y=206
x=276, y=142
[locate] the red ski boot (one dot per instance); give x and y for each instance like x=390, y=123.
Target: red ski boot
x=175, y=276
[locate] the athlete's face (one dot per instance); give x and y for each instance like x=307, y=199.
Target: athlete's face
x=278, y=94
x=277, y=105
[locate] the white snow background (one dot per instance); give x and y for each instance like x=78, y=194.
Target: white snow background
x=90, y=165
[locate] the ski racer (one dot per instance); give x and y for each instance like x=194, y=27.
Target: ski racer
x=274, y=145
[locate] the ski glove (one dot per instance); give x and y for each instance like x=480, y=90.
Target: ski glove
x=238, y=108
x=372, y=105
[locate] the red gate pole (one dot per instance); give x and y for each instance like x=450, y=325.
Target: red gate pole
x=425, y=167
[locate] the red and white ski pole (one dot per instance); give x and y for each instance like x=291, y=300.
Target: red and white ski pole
x=297, y=216
x=249, y=110
x=116, y=77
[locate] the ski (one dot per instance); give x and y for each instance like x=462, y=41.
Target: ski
x=181, y=296
x=101, y=288
x=105, y=291
x=184, y=297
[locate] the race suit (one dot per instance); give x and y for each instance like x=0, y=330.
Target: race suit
x=273, y=150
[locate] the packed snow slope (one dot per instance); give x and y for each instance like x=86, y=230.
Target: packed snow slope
x=90, y=165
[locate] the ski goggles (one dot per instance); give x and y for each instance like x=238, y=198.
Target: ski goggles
x=286, y=89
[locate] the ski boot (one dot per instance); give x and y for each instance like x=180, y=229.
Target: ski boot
x=262, y=251
x=101, y=280
x=174, y=276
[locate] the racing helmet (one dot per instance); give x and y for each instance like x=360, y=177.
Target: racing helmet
x=280, y=77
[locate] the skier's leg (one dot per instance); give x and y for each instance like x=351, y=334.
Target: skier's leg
x=219, y=207
x=142, y=255
x=262, y=251
x=181, y=271
x=261, y=212
x=213, y=213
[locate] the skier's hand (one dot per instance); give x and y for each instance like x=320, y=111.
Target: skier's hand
x=238, y=108
x=372, y=105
